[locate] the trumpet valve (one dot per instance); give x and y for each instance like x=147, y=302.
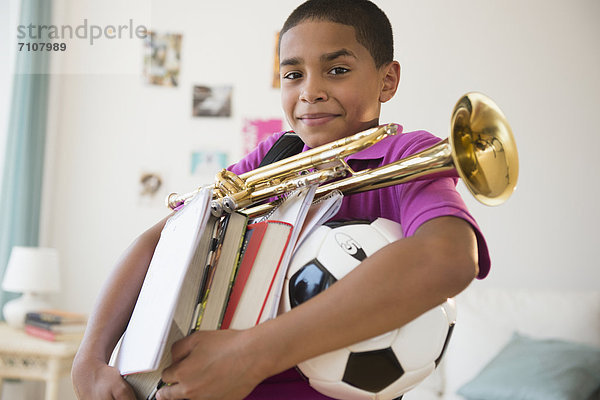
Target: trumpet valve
x=227, y=183
x=229, y=205
x=235, y=201
x=216, y=209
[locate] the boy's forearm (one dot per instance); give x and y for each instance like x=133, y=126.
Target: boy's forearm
x=386, y=291
x=119, y=294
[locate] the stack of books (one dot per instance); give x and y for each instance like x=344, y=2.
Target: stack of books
x=55, y=325
x=210, y=273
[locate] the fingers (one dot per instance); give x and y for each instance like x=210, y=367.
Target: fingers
x=179, y=351
x=171, y=392
x=183, y=347
x=168, y=375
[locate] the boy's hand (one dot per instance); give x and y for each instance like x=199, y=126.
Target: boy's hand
x=98, y=381
x=211, y=365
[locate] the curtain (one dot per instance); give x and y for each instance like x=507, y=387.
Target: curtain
x=20, y=195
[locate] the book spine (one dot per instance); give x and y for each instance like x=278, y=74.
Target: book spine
x=57, y=328
x=55, y=317
x=257, y=232
x=276, y=274
x=44, y=318
x=41, y=324
x=210, y=269
x=40, y=332
x=242, y=246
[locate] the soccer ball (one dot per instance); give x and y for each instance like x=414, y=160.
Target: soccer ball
x=380, y=368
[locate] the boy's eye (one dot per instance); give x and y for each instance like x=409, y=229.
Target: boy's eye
x=292, y=75
x=339, y=71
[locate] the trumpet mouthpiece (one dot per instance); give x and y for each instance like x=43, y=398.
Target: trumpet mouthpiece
x=391, y=129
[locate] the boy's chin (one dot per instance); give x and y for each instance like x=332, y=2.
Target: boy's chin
x=313, y=141
x=318, y=138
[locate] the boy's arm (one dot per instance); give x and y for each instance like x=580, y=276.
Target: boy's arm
x=387, y=290
x=92, y=378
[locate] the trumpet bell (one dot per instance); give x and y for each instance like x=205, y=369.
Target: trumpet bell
x=484, y=151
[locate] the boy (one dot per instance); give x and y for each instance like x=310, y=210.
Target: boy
x=337, y=69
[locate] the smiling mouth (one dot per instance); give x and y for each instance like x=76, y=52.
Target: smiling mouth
x=317, y=119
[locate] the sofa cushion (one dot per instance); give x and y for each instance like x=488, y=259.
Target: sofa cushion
x=530, y=369
x=487, y=318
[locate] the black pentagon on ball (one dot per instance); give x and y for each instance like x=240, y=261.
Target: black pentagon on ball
x=309, y=281
x=372, y=371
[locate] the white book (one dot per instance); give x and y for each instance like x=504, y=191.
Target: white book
x=153, y=318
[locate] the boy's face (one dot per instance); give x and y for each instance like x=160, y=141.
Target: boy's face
x=330, y=86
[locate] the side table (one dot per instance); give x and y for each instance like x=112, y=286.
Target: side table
x=23, y=356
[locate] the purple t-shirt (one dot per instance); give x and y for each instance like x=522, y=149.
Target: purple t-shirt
x=410, y=204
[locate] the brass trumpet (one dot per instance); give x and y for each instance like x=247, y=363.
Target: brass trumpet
x=480, y=150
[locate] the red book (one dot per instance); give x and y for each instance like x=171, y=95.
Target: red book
x=51, y=336
x=256, y=274
x=56, y=317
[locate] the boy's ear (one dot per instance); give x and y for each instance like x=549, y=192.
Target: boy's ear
x=391, y=79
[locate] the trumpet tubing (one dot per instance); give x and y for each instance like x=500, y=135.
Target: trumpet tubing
x=228, y=187
x=431, y=163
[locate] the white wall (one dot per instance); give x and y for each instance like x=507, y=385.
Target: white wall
x=537, y=59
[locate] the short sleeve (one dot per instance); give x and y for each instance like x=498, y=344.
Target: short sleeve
x=422, y=201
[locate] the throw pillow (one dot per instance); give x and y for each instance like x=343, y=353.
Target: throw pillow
x=531, y=369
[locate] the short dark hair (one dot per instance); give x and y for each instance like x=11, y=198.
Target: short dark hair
x=372, y=26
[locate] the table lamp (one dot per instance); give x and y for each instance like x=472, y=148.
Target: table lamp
x=34, y=272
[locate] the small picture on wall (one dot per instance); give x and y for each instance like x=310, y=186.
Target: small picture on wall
x=256, y=130
x=276, y=82
x=212, y=101
x=150, y=182
x=162, y=58
x=207, y=163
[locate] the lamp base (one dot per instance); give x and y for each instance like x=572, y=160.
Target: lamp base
x=15, y=310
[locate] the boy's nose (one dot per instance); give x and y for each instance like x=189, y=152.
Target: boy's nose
x=313, y=92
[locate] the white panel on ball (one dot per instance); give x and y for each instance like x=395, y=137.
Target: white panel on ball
x=391, y=230
x=310, y=248
x=378, y=342
x=328, y=367
x=450, y=308
x=421, y=340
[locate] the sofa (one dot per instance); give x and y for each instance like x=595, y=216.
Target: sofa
x=519, y=344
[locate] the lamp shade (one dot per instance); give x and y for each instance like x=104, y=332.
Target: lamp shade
x=33, y=270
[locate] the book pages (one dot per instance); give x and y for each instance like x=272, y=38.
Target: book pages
x=320, y=211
